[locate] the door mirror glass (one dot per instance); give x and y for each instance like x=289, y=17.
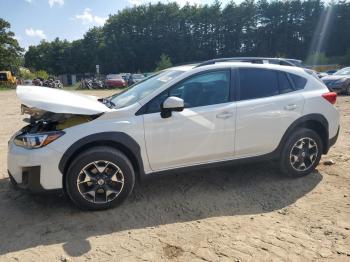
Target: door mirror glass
x=170, y=104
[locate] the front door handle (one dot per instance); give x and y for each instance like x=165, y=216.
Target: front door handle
x=224, y=115
x=291, y=107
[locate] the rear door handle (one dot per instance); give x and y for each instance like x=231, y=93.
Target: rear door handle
x=291, y=107
x=224, y=115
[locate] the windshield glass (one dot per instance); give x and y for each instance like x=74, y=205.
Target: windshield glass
x=342, y=72
x=142, y=89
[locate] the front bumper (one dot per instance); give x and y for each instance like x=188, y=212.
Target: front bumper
x=34, y=169
x=30, y=179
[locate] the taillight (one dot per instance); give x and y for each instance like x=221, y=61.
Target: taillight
x=331, y=97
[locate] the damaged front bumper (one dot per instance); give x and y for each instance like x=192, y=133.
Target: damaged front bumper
x=35, y=170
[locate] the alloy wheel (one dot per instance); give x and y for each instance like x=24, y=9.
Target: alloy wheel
x=303, y=154
x=100, y=181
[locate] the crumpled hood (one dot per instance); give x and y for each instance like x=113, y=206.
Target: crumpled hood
x=59, y=101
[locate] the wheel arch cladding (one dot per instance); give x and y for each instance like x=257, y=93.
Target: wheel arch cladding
x=315, y=122
x=117, y=140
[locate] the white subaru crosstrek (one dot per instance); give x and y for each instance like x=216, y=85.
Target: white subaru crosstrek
x=180, y=118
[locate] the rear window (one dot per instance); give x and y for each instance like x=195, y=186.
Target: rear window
x=284, y=83
x=257, y=83
x=298, y=81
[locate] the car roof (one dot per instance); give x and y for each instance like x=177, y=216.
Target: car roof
x=186, y=68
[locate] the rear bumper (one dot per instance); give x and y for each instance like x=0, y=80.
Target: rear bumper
x=334, y=139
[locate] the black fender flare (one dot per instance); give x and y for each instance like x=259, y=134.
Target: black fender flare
x=302, y=122
x=118, y=140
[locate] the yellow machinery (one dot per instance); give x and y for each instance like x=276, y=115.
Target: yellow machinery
x=6, y=77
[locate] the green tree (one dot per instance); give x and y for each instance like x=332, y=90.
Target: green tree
x=42, y=74
x=10, y=51
x=163, y=63
x=134, y=38
x=317, y=59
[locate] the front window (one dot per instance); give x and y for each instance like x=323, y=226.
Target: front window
x=199, y=90
x=343, y=72
x=142, y=89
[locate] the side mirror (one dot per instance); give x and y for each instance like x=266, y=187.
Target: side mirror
x=170, y=104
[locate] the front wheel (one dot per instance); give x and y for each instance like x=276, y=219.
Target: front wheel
x=99, y=178
x=301, y=153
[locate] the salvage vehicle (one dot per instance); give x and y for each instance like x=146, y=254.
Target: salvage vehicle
x=339, y=82
x=179, y=119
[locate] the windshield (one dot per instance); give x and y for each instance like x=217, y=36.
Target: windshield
x=142, y=89
x=342, y=72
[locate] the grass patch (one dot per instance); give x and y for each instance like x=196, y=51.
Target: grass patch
x=6, y=86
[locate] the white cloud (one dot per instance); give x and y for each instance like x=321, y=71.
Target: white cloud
x=135, y=2
x=28, y=1
x=35, y=33
x=180, y=2
x=88, y=18
x=56, y=2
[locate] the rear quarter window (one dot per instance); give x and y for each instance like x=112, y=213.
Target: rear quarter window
x=299, y=82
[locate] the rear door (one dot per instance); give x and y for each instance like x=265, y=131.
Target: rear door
x=267, y=104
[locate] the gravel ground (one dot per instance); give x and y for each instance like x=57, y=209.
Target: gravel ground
x=246, y=213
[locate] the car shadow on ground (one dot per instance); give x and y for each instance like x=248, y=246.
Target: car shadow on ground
x=32, y=220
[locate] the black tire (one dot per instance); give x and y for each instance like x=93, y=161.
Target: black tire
x=107, y=155
x=286, y=165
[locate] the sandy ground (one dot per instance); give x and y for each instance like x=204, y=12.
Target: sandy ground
x=239, y=213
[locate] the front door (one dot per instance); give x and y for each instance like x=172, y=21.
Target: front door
x=203, y=132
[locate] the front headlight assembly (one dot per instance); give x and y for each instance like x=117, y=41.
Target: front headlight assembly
x=32, y=141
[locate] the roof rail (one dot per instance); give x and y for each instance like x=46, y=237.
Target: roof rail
x=253, y=60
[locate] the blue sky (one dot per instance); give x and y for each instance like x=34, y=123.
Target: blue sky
x=34, y=20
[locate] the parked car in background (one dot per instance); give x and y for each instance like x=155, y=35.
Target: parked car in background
x=115, y=81
x=134, y=78
x=339, y=82
x=330, y=72
x=27, y=82
x=38, y=81
x=179, y=119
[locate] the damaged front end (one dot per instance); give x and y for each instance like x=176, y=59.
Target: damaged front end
x=45, y=127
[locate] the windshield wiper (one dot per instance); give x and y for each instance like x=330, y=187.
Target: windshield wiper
x=107, y=102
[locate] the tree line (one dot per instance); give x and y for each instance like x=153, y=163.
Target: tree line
x=134, y=39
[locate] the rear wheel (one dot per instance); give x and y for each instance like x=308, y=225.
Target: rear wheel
x=301, y=153
x=100, y=178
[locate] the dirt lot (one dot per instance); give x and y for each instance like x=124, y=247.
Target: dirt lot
x=238, y=213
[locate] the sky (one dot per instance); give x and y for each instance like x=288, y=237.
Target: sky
x=36, y=20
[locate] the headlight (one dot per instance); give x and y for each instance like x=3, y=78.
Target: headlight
x=32, y=141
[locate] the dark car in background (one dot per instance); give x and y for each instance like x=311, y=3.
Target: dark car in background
x=115, y=81
x=339, y=82
x=134, y=78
